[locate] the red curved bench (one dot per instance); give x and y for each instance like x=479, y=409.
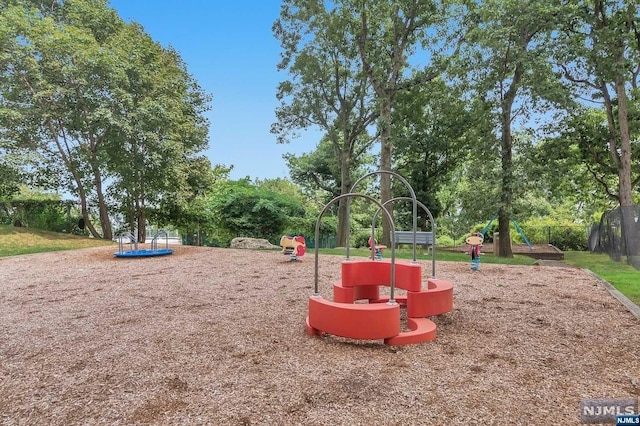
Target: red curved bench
x=356, y=321
x=378, y=272
x=437, y=299
x=422, y=330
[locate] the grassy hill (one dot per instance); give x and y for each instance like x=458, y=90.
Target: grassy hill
x=14, y=241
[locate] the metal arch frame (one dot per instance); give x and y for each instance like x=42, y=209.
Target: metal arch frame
x=433, y=226
x=415, y=209
x=393, y=250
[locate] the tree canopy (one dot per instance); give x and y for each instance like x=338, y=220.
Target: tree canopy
x=526, y=109
x=116, y=114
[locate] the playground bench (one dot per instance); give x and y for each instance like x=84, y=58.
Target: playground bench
x=406, y=237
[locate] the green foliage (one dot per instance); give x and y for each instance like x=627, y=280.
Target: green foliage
x=444, y=241
x=51, y=215
x=360, y=239
x=95, y=97
x=317, y=170
x=307, y=226
x=189, y=210
x=244, y=210
x=303, y=225
x=564, y=234
x=431, y=139
x=559, y=230
x=10, y=180
x=582, y=151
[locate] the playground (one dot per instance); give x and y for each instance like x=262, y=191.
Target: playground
x=217, y=336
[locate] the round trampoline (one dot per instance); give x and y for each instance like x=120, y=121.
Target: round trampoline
x=143, y=253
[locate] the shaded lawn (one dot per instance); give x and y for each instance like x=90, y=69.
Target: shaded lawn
x=15, y=241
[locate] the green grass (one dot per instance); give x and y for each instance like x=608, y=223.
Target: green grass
x=15, y=241
x=622, y=276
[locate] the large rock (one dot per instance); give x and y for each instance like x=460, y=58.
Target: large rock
x=252, y=243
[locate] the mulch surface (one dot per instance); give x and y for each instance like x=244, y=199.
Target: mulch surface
x=216, y=336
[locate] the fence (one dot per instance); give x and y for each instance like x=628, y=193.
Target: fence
x=325, y=241
x=618, y=235
x=564, y=237
x=199, y=239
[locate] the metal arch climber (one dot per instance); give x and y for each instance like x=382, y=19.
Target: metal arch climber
x=361, y=279
x=413, y=198
x=433, y=226
x=317, y=236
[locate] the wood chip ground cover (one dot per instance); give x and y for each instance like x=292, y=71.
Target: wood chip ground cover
x=215, y=336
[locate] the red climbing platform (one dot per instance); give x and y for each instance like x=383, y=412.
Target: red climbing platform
x=379, y=318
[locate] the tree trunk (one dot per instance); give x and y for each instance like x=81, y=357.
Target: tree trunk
x=142, y=225
x=103, y=211
x=506, y=197
x=345, y=187
x=629, y=230
x=64, y=156
x=386, y=149
x=132, y=217
x=85, y=213
x=506, y=154
x=83, y=208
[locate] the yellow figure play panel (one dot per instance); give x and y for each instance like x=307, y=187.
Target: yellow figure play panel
x=474, y=240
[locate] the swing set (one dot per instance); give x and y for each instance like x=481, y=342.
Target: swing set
x=520, y=231
x=475, y=241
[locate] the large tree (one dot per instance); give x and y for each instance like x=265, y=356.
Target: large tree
x=97, y=97
x=389, y=34
x=159, y=128
x=53, y=74
x=432, y=138
x=328, y=88
x=598, y=52
x=506, y=64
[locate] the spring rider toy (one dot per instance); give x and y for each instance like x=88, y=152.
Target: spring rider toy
x=475, y=242
x=293, y=245
x=376, y=248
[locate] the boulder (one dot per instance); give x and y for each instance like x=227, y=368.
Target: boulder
x=252, y=243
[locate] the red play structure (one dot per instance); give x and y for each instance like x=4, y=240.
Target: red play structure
x=374, y=317
x=380, y=318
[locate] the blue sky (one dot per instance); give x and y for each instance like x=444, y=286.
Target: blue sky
x=230, y=50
